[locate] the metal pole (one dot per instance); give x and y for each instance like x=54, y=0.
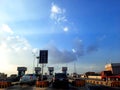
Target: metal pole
x=42, y=71
x=38, y=60
x=33, y=62
x=76, y=63
x=74, y=67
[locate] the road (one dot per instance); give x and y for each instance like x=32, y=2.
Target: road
x=26, y=87
x=89, y=87
x=98, y=87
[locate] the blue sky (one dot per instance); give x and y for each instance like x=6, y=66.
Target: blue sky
x=81, y=31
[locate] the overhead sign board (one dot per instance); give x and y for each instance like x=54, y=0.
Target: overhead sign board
x=43, y=58
x=21, y=68
x=37, y=69
x=51, y=68
x=64, y=68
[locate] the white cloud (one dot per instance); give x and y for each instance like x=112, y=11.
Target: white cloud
x=4, y=28
x=35, y=50
x=66, y=29
x=55, y=9
x=14, y=51
x=57, y=14
x=73, y=50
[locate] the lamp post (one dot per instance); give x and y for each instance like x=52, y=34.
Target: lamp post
x=34, y=52
x=76, y=56
x=37, y=60
x=33, y=61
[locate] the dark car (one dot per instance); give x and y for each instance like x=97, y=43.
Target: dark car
x=60, y=80
x=28, y=79
x=42, y=78
x=13, y=78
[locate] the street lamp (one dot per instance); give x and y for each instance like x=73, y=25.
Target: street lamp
x=74, y=51
x=33, y=61
x=37, y=60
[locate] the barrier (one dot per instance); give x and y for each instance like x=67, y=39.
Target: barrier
x=9, y=84
x=105, y=83
x=93, y=82
x=42, y=84
x=115, y=84
x=79, y=83
x=101, y=83
x=5, y=84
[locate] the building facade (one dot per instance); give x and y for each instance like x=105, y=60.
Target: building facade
x=114, y=67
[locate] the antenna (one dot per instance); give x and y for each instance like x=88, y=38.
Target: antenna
x=109, y=60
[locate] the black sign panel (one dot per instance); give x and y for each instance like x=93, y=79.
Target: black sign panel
x=43, y=56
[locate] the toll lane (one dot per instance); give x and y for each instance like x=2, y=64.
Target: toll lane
x=98, y=87
x=27, y=87
x=18, y=87
x=87, y=87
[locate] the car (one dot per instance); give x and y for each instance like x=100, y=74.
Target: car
x=45, y=77
x=29, y=79
x=60, y=80
x=13, y=78
x=40, y=77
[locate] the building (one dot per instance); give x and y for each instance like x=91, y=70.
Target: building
x=114, y=67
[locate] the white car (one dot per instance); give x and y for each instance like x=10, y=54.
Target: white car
x=28, y=79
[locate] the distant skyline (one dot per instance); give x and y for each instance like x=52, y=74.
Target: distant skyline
x=82, y=31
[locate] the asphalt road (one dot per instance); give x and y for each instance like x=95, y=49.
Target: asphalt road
x=92, y=87
x=89, y=87
x=26, y=87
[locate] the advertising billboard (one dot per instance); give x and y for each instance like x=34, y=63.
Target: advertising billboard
x=43, y=56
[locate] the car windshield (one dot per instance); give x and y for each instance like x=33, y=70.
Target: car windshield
x=29, y=75
x=60, y=75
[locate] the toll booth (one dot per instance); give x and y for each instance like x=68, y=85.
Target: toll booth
x=21, y=71
x=51, y=70
x=64, y=70
x=37, y=70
